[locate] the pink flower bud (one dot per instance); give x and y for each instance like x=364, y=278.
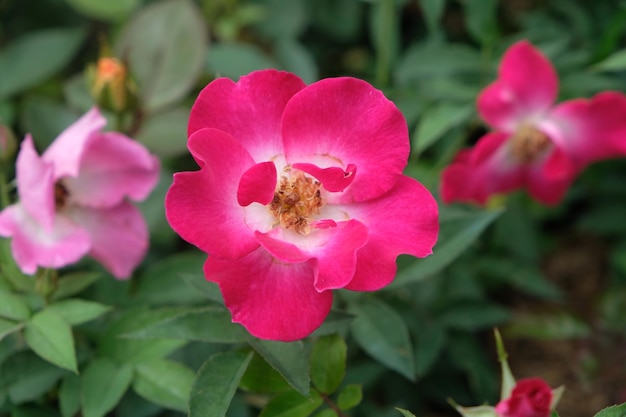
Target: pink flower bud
x=531, y=397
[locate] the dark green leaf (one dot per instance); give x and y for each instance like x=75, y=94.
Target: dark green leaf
x=27, y=377
x=481, y=20
x=380, y=331
x=327, y=412
x=34, y=57
x=103, y=384
x=69, y=395
x=164, y=382
x=290, y=359
x=216, y=383
x=51, y=338
x=291, y=404
x=430, y=341
x=350, y=396
x=165, y=45
x=473, y=316
x=613, y=411
x=328, y=363
x=260, y=377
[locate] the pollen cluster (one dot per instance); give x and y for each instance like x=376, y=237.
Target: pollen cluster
x=296, y=199
x=528, y=143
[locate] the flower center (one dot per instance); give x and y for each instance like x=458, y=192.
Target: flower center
x=61, y=195
x=528, y=143
x=296, y=199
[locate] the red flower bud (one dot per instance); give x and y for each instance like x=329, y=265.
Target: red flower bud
x=531, y=397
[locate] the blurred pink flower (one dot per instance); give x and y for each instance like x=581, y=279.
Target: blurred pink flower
x=531, y=397
x=300, y=191
x=536, y=145
x=72, y=200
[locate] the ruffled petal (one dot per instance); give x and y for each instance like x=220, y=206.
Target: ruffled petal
x=202, y=206
x=336, y=122
x=32, y=245
x=333, y=179
x=477, y=174
x=334, y=248
x=590, y=130
x=112, y=167
x=249, y=110
x=257, y=184
x=271, y=299
x=405, y=220
x=35, y=184
x=67, y=149
x=119, y=236
x=526, y=87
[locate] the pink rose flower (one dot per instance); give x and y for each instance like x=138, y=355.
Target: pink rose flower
x=531, y=397
x=536, y=145
x=73, y=200
x=300, y=191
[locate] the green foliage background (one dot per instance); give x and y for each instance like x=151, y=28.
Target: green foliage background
x=80, y=343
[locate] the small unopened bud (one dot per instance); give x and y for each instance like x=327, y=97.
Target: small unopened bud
x=109, y=84
x=8, y=143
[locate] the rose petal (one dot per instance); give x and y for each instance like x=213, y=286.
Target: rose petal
x=333, y=179
x=257, y=184
x=202, y=206
x=402, y=221
x=526, y=87
x=35, y=184
x=272, y=300
x=250, y=110
x=340, y=121
x=119, y=236
x=32, y=245
x=112, y=167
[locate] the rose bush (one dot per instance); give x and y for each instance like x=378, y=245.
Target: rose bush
x=300, y=192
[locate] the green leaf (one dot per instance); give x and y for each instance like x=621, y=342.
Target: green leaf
x=290, y=359
x=165, y=133
x=164, y=382
x=74, y=283
x=7, y=327
x=216, y=383
x=103, y=384
x=297, y=59
x=76, y=311
x=198, y=282
x=36, y=56
x=51, y=338
x=481, y=20
x=210, y=324
x=328, y=363
x=430, y=341
x=335, y=322
x=45, y=118
x=350, y=396
x=260, y=377
x=432, y=10
x=547, y=326
x=234, y=59
x=613, y=411
x=404, y=412
x=12, y=307
x=291, y=404
x=470, y=316
x=327, y=412
x=27, y=377
x=615, y=62
x=69, y=395
x=165, y=45
x=105, y=10
x=438, y=120
x=380, y=331
x=462, y=233
x=508, y=381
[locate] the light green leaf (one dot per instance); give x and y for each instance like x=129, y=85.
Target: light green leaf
x=544, y=326
x=290, y=359
x=69, y=395
x=105, y=10
x=165, y=45
x=480, y=17
x=209, y=324
x=36, y=56
x=350, y=396
x=12, y=307
x=51, y=338
x=404, y=412
x=103, y=384
x=438, y=120
x=234, y=59
x=478, y=411
x=462, y=233
x=508, y=381
x=165, y=133
x=613, y=411
x=76, y=311
x=260, y=377
x=74, y=283
x=327, y=412
x=328, y=363
x=381, y=332
x=7, y=327
x=291, y=404
x=216, y=383
x=615, y=62
x=44, y=119
x=164, y=382
x=297, y=59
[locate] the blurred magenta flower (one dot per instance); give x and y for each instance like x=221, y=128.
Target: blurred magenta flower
x=300, y=191
x=536, y=145
x=73, y=200
x=531, y=397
